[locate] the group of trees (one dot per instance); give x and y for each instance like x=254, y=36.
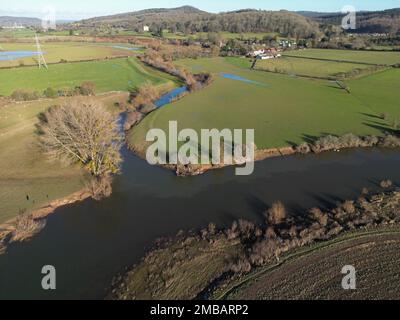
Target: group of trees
x=85, y=89
x=330, y=142
x=191, y=20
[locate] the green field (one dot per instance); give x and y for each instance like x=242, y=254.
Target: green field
x=373, y=57
x=283, y=110
x=68, y=51
x=308, y=67
x=108, y=75
x=24, y=169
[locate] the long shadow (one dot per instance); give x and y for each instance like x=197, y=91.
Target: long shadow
x=382, y=129
x=370, y=115
x=309, y=138
x=259, y=206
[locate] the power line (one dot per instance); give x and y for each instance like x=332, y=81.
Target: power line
x=41, y=60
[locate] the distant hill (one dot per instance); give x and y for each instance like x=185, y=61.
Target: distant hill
x=189, y=19
x=387, y=21
x=20, y=21
x=147, y=17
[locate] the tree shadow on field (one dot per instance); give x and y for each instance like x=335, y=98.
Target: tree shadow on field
x=291, y=143
x=309, y=138
x=369, y=115
x=383, y=128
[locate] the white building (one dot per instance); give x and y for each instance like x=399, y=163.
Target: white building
x=146, y=28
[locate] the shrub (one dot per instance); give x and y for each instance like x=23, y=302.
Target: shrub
x=319, y=216
x=132, y=119
x=391, y=141
x=370, y=141
x=350, y=141
x=386, y=184
x=21, y=95
x=384, y=116
x=303, y=148
x=87, y=88
x=100, y=187
x=25, y=226
x=349, y=207
x=50, y=93
x=325, y=144
x=276, y=214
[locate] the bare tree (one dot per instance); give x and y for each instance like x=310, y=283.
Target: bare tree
x=82, y=131
x=276, y=214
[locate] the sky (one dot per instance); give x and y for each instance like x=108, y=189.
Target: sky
x=79, y=9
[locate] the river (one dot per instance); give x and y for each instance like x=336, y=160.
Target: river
x=90, y=242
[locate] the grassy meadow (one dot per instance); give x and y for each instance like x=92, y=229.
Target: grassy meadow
x=68, y=51
x=308, y=67
x=283, y=110
x=24, y=169
x=372, y=57
x=107, y=75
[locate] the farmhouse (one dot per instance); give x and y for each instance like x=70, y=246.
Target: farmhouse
x=266, y=54
x=146, y=28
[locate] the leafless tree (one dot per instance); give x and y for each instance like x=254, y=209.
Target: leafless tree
x=276, y=214
x=82, y=131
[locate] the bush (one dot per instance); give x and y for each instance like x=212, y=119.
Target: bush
x=50, y=93
x=100, y=187
x=132, y=119
x=276, y=214
x=87, y=89
x=348, y=206
x=25, y=226
x=303, y=148
x=319, y=216
x=386, y=184
x=391, y=141
x=21, y=95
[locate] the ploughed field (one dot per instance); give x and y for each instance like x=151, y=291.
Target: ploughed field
x=283, y=110
x=315, y=273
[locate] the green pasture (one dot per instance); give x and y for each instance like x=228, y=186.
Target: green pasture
x=283, y=110
x=108, y=75
x=67, y=51
x=308, y=67
x=373, y=57
x=24, y=169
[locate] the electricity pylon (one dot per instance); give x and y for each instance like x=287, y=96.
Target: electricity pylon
x=41, y=60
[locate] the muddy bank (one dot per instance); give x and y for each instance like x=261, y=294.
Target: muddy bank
x=24, y=227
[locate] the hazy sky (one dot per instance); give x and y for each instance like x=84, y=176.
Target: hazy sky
x=77, y=9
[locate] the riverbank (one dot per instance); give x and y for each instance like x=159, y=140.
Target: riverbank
x=13, y=230
x=323, y=144
x=222, y=257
